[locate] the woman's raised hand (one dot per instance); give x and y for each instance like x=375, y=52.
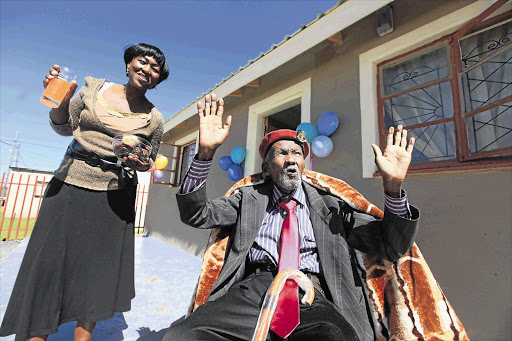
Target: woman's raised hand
x=212, y=131
x=53, y=73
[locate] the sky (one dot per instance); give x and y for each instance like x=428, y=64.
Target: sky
x=203, y=41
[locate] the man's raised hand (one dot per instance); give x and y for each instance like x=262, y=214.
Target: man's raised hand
x=212, y=132
x=394, y=161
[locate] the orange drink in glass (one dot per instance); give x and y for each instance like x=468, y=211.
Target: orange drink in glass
x=58, y=88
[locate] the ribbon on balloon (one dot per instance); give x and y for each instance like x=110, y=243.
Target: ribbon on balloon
x=321, y=144
x=231, y=163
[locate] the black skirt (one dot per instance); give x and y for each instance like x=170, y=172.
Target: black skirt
x=79, y=262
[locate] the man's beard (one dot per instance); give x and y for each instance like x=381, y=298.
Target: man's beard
x=288, y=183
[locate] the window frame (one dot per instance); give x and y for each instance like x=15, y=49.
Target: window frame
x=463, y=159
x=39, y=192
x=171, y=159
x=181, y=174
x=176, y=160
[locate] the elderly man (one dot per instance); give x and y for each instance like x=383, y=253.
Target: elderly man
x=286, y=223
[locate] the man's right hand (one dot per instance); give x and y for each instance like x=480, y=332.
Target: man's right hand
x=212, y=132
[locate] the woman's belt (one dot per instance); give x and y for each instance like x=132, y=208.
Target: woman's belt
x=77, y=151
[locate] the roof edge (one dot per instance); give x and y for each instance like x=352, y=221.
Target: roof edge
x=335, y=20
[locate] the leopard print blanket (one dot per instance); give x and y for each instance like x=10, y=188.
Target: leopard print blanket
x=405, y=300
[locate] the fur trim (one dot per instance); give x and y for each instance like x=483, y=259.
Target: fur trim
x=405, y=301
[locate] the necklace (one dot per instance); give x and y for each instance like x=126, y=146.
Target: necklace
x=111, y=111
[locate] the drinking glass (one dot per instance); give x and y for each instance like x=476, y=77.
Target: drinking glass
x=58, y=88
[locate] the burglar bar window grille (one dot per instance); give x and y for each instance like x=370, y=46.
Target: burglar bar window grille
x=454, y=96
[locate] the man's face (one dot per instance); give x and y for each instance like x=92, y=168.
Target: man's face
x=285, y=164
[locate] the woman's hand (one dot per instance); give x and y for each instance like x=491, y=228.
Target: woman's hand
x=54, y=73
x=133, y=161
x=394, y=161
x=60, y=115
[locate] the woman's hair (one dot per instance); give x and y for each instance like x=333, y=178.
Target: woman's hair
x=142, y=50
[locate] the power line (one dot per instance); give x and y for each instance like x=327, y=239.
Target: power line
x=22, y=160
x=42, y=145
x=6, y=143
x=36, y=144
x=36, y=153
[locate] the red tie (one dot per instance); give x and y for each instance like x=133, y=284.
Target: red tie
x=286, y=315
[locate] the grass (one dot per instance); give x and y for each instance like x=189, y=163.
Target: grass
x=31, y=222
x=23, y=225
x=15, y=222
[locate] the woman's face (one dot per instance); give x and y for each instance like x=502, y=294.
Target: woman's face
x=143, y=72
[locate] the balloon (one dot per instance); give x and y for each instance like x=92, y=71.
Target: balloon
x=158, y=175
x=238, y=154
x=161, y=162
x=327, y=123
x=152, y=169
x=322, y=146
x=235, y=172
x=225, y=162
x=309, y=129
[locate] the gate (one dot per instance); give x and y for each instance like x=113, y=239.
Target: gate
x=21, y=195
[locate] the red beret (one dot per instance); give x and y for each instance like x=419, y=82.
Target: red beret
x=284, y=134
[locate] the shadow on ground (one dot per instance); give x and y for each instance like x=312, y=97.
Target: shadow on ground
x=147, y=334
x=111, y=330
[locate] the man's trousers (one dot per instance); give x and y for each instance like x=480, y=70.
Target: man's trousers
x=234, y=317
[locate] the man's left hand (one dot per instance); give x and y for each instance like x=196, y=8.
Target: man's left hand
x=394, y=161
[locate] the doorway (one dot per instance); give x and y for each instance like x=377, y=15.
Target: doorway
x=285, y=119
x=285, y=109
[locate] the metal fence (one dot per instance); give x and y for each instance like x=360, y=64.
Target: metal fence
x=21, y=196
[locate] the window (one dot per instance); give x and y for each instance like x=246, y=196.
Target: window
x=180, y=155
x=188, y=151
x=39, y=189
x=171, y=152
x=454, y=96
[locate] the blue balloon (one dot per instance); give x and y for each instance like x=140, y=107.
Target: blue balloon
x=225, y=162
x=235, y=172
x=322, y=146
x=309, y=129
x=238, y=155
x=327, y=123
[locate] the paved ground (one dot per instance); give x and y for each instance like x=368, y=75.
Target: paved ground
x=165, y=278
x=6, y=247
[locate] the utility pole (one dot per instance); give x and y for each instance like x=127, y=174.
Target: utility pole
x=3, y=190
x=12, y=156
x=17, y=156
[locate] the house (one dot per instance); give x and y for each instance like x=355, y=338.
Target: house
x=440, y=68
x=24, y=192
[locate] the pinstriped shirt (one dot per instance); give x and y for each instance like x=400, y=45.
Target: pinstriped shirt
x=266, y=246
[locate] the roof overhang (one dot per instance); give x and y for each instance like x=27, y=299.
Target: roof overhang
x=331, y=23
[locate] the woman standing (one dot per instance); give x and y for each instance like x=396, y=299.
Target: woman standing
x=79, y=263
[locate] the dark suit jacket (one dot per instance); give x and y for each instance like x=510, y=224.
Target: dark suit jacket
x=337, y=228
